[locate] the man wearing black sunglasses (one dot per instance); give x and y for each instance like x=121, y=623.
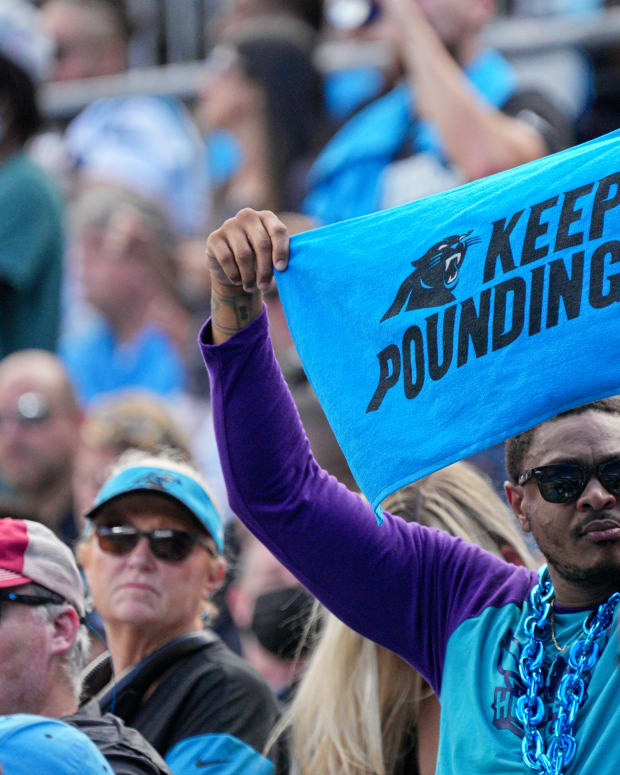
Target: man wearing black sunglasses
x=152, y=553
x=44, y=647
x=525, y=664
x=565, y=489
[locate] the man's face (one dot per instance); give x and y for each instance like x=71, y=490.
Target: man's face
x=24, y=656
x=34, y=450
x=580, y=539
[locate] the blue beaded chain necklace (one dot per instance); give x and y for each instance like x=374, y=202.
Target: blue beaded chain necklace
x=583, y=655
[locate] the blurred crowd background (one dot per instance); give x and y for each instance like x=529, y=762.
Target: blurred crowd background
x=129, y=130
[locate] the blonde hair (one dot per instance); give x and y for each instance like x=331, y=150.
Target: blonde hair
x=357, y=704
x=171, y=458
x=133, y=419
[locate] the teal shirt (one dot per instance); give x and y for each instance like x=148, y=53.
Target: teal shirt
x=481, y=684
x=31, y=257
x=450, y=609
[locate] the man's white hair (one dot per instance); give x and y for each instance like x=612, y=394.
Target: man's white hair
x=76, y=657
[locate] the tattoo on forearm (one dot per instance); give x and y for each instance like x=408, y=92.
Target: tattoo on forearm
x=231, y=313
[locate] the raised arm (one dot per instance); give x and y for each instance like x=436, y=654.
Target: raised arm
x=242, y=254
x=477, y=137
x=394, y=583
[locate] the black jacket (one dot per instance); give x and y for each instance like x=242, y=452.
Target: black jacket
x=125, y=749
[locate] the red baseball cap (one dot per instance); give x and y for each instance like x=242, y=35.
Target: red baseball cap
x=31, y=553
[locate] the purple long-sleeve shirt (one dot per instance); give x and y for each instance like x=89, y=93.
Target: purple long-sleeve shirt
x=402, y=585
x=453, y=611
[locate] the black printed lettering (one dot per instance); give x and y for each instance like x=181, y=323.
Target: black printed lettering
x=435, y=369
x=604, y=290
x=535, y=229
x=388, y=377
x=568, y=216
x=515, y=289
x=475, y=326
x=564, y=288
x=605, y=199
x=413, y=338
x=499, y=247
x=536, y=300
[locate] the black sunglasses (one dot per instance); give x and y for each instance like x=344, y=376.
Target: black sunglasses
x=50, y=598
x=564, y=482
x=165, y=544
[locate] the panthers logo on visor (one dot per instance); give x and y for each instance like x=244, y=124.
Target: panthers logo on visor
x=434, y=275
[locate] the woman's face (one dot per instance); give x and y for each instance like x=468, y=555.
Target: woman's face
x=160, y=599
x=227, y=95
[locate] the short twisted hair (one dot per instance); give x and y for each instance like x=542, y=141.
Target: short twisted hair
x=517, y=447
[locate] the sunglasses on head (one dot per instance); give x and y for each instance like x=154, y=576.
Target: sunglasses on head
x=165, y=543
x=564, y=482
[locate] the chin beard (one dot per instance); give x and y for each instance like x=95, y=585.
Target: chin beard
x=604, y=575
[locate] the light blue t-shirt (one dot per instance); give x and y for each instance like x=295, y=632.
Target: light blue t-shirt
x=98, y=364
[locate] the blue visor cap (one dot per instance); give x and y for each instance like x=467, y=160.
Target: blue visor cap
x=169, y=483
x=33, y=744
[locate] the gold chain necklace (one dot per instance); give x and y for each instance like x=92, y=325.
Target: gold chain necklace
x=555, y=643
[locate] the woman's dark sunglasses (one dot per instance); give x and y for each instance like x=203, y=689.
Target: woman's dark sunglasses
x=165, y=544
x=564, y=482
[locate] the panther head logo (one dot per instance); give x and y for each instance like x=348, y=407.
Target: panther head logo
x=434, y=275
x=157, y=481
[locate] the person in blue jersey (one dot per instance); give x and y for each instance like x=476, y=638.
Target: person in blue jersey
x=129, y=278
x=152, y=554
x=457, y=114
x=525, y=664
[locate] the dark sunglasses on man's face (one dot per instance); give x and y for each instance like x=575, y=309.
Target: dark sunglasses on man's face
x=564, y=482
x=50, y=598
x=165, y=544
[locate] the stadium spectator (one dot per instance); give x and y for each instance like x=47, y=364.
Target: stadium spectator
x=39, y=423
x=44, y=646
x=275, y=138
x=396, y=715
x=458, y=115
x=425, y=595
x=90, y=37
x=270, y=609
x=31, y=232
x=146, y=142
x=152, y=553
x=129, y=277
x=129, y=419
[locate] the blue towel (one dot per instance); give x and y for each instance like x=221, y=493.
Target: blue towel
x=436, y=329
